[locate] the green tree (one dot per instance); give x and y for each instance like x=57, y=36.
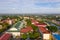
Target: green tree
x=52, y=28
x=24, y=36
x=34, y=35
x=28, y=22
x=35, y=28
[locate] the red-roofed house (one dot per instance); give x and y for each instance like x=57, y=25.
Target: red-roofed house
x=34, y=21
x=43, y=30
x=40, y=24
x=45, y=33
x=5, y=36
x=26, y=30
x=9, y=21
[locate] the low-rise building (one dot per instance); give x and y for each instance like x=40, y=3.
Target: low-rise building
x=26, y=17
x=36, y=23
x=14, y=31
x=26, y=30
x=8, y=21
x=45, y=33
x=41, y=24
x=6, y=36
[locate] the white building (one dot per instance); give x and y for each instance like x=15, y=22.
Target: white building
x=46, y=36
x=26, y=17
x=14, y=31
x=10, y=22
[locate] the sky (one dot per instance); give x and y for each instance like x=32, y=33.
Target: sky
x=30, y=6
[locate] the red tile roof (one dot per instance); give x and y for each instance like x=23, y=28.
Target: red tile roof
x=37, y=23
x=27, y=29
x=5, y=36
x=40, y=24
x=34, y=21
x=43, y=30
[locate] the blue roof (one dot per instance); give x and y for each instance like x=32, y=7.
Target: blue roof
x=57, y=36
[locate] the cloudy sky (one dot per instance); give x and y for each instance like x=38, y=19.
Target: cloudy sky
x=30, y=6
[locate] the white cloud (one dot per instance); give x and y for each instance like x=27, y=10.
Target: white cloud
x=47, y=0
x=27, y=6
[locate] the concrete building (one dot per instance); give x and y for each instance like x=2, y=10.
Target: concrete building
x=14, y=31
x=26, y=17
x=9, y=22
x=36, y=23
x=45, y=33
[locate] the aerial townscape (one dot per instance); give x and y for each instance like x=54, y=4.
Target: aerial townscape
x=29, y=27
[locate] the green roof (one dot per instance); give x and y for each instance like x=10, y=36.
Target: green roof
x=15, y=26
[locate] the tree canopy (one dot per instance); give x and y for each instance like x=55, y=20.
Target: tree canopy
x=52, y=28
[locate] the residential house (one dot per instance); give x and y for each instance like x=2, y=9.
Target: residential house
x=26, y=30
x=45, y=33
x=6, y=36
